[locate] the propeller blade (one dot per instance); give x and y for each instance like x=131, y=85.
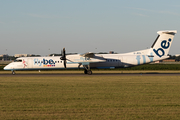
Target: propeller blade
x=63, y=54
x=63, y=57
x=65, y=64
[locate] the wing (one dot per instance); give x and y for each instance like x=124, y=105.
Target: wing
x=89, y=54
x=86, y=59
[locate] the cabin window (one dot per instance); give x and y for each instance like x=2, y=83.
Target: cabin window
x=18, y=61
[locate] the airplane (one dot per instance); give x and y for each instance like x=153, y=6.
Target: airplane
x=158, y=51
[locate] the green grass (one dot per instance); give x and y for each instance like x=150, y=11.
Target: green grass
x=90, y=97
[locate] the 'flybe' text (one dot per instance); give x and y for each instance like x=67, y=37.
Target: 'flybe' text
x=44, y=62
x=165, y=45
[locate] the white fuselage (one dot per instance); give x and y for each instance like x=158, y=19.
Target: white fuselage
x=107, y=61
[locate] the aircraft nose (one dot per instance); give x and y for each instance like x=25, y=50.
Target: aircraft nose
x=7, y=67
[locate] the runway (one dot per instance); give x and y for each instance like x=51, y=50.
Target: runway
x=95, y=74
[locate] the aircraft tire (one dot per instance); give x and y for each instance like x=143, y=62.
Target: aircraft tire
x=13, y=73
x=85, y=71
x=89, y=72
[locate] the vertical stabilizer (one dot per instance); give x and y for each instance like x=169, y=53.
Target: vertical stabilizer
x=162, y=44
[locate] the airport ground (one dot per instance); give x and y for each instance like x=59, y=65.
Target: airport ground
x=107, y=94
x=103, y=95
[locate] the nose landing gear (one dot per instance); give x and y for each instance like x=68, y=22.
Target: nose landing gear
x=13, y=73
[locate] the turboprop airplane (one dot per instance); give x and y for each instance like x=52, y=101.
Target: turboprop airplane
x=158, y=51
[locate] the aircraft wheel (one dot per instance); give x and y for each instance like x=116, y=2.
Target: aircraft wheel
x=13, y=73
x=89, y=72
x=85, y=71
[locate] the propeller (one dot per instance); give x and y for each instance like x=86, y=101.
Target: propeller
x=63, y=52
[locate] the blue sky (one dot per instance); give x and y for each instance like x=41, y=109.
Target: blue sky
x=46, y=26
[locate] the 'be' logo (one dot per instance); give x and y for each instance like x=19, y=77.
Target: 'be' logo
x=165, y=45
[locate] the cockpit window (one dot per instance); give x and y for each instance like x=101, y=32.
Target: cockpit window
x=18, y=61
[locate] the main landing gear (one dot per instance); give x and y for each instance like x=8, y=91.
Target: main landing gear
x=87, y=70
